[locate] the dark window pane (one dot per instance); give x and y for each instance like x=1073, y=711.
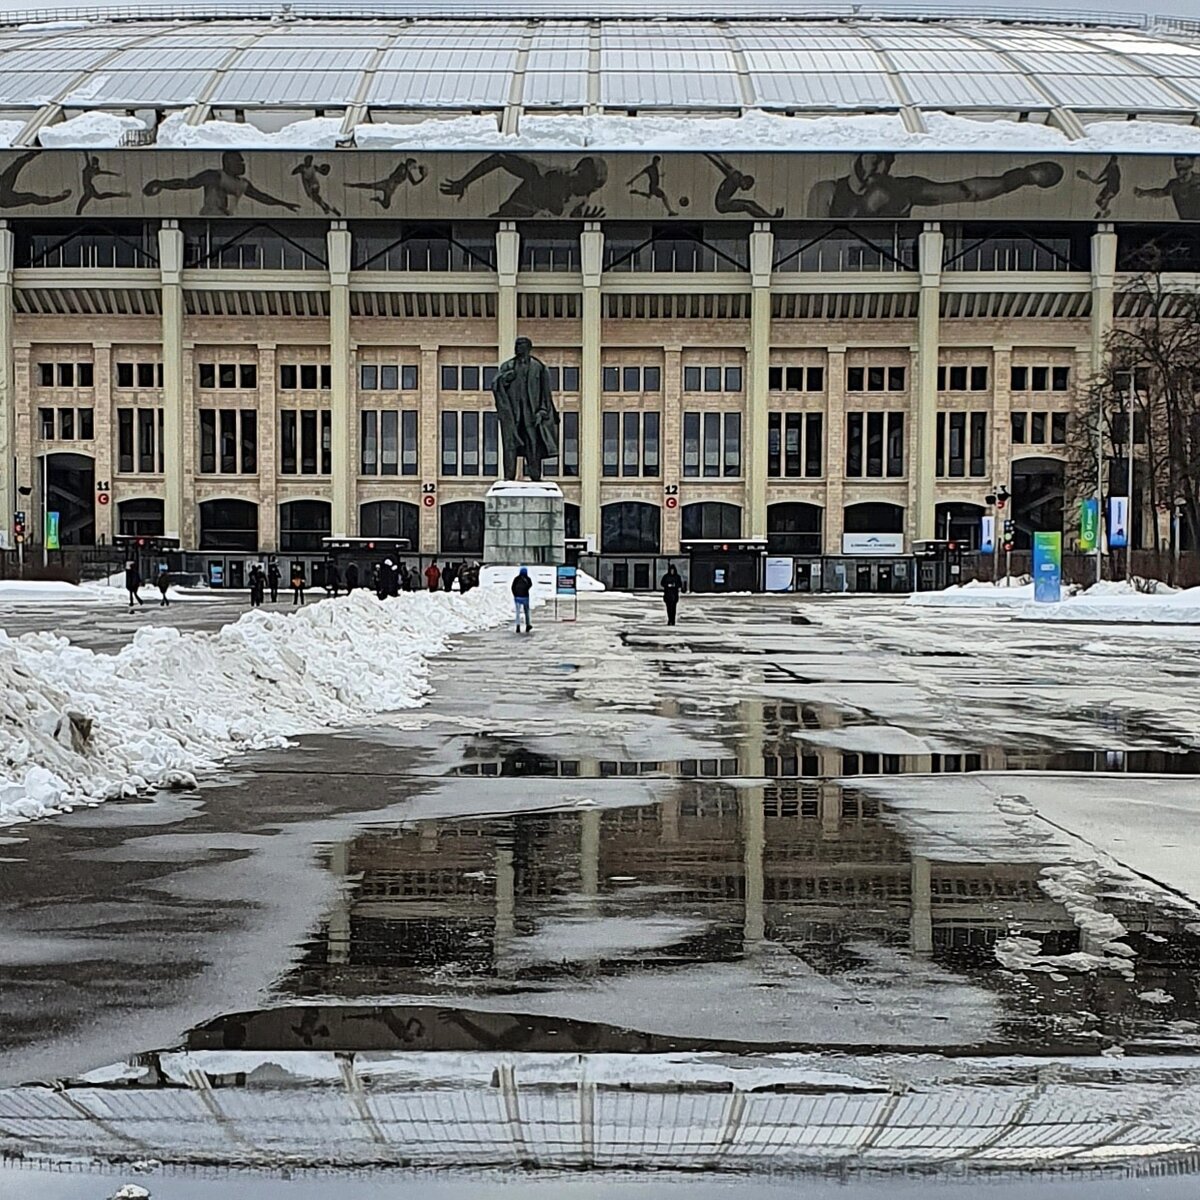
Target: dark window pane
x=979, y=379
x=712, y=444
x=611, y=377
x=631, y=379
x=940, y=446
x=774, y=379
x=1019, y=379
x=1018, y=428
x=895, y=446
x=610, y=436
x=124, y=439
x=651, y=379
x=368, y=443
x=227, y=448
x=855, y=377
x=815, y=379
x=1058, y=428
x=249, y=420
x=46, y=374
x=247, y=375
x=895, y=379
x=875, y=379
x=691, y=379
x=630, y=443
x=207, y=373
x=491, y=442
x=66, y=374
x=812, y=443
x=389, y=378
x=691, y=444
x=712, y=379
x=733, y=443
x=87, y=429
x=449, y=442
x=145, y=440
x=1037, y=428
x=469, y=453
x=978, y=444
x=46, y=421
x=408, y=441
x=368, y=377
x=326, y=377
x=125, y=374
x=854, y=443
x=650, y=447
x=1060, y=378
x=468, y=379
x=449, y=379
x=874, y=444
x=389, y=443
x=308, y=377
x=733, y=379
x=208, y=441
x=84, y=376
x=287, y=441
x=793, y=431
x=409, y=378
x=66, y=424
x=958, y=379
x=957, y=444
x=326, y=441
x=570, y=443
x=570, y=379
x=227, y=375
x=1039, y=379
x=774, y=443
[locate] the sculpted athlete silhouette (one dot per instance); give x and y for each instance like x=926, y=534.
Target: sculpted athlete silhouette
x=11, y=198
x=310, y=173
x=223, y=187
x=91, y=172
x=409, y=171
x=540, y=191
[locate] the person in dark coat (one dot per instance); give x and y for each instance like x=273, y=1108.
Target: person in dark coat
x=273, y=578
x=414, y=579
x=522, y=585
x=298, y=586
x=404, y=577
x=163, y=582
x=449, y=575
x=258, y=586
x=133, y=581
x=351, y=577
x=383, y=576
x=333, y=579
x=672, y=585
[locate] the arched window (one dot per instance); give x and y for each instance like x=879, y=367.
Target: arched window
x=874, y=518
x=391, y=519
x=794, y=528
x=462, y=527
x=303, y=523
x=711, y=521
x=141, y=518
x=630, y=528
x=229, y=525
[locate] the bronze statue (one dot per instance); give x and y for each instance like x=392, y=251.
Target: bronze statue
x=525, y=407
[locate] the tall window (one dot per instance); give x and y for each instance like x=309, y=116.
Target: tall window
x=630, y=444
x=388, y=442
x=712, y=444
x=228, y=441
x=470, y=443
x=305, y=441
x=139, y=440
x=794, y=448
x=961, y=445
x=875, y=444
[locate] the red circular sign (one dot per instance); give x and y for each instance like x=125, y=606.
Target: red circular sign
x=672, y=501
x=102, y=498
x=428, y=501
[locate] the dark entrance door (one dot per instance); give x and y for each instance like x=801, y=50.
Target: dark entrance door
x=725, y=571
x=862, y=577
x=71, y=492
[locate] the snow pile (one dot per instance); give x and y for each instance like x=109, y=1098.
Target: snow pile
x=9, y=130
x=314, y=133
x=1122, y=587
x=1121, y=607
x=78, y=727
x=975, y=595
x=16, y=593
x=97, y=129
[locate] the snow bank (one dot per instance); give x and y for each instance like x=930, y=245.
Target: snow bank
x=16, y=593
x=78, y=727
x=756, y=130
x=1121, y=607
x=975, y=595
x=9, y=130
x=98, y=129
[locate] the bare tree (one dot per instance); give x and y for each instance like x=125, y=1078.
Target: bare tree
x=1152, y=366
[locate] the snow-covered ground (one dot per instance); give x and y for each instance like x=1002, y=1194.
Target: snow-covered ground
x=1116, y=601
x=25, y=592
x=77, y=727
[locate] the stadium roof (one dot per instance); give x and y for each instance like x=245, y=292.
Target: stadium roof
x=330, y=59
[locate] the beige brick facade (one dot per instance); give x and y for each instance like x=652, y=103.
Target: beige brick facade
x=670, y=324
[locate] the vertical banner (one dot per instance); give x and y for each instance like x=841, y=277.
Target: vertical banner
x=52, y=531
x=987, y=535
x=1118, y=522
x=1089, y=524
x=1047, y=568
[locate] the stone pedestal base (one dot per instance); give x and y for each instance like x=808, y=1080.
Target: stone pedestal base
x=523, y=524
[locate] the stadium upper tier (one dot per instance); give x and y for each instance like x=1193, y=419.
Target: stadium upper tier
x=326, y=61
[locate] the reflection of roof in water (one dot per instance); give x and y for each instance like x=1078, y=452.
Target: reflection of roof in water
x=601, y=57
x=619, y=1112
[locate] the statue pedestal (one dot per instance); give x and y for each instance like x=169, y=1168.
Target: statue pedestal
x=523, y=524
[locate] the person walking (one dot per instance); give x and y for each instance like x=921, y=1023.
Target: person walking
x=522, y=585
x=414, y=580
x=404, y=577
x=432, y=576
x=333, y=580
x=672, y=585
x=133, y=581
x=351, y=578
x=273, y=578
x=449, y=575
x=258, y=585
x=163, y=582
x=298, y=585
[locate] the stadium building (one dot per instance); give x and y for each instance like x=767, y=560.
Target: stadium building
x=813, y=286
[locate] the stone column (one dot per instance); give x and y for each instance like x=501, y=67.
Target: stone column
x=104, y=420
x=341, y=396
x=762, y=245
x=1104, y=268
x=10, y=502
x=508, y=257
x=671, y=447
x=835, y=448
x=170, y=262
x=427, y=451
x=268, y=453
x=591, y=246
x=922, y=450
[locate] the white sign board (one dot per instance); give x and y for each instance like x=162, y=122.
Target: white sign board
x=780, y=573
x=872, y=543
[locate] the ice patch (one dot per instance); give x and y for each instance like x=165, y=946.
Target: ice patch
x=1157, y=996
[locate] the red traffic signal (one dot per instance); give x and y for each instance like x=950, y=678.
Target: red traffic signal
x=1008, y=547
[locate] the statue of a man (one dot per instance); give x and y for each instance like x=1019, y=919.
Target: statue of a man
x=525, y=407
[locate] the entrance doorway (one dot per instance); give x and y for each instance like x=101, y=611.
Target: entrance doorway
x=71, y=492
